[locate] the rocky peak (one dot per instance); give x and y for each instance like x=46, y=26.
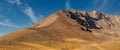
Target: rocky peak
x=86, y=20
x=92, y=20
x=85, y=13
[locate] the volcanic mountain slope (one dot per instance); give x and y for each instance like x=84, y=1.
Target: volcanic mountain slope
x=67, y=30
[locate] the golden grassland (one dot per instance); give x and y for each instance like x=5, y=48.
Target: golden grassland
x=68, y=44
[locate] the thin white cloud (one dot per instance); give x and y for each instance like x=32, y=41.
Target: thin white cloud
x=8, y=23
x=29, y=12
x=41, y=16
x=18, y=2
x=26, y=9
x=103, y=4
x=94, y=4
x=30, y=23
x=68, y=5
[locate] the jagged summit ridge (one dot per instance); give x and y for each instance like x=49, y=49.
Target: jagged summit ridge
x=87, y=20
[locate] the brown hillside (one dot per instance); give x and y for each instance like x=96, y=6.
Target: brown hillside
x=58, y=26
x=67, y=24
x=66, y=28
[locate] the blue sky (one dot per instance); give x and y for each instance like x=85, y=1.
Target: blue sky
x=18, y=14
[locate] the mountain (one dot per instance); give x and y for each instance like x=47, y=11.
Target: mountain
x=67, y=30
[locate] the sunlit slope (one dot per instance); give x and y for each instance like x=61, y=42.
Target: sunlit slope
x=63, y=27
x=67, y=30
